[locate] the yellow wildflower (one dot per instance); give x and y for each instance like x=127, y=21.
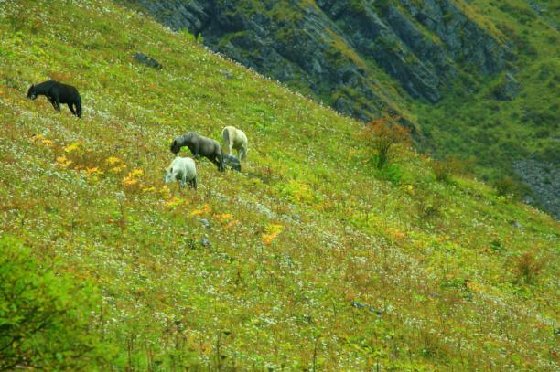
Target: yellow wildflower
x=473, y=286
x=37, y=138
x=136, y=173
x=63, y=161
x=129, y=181
x=410, y=190
x=164, y=191
x=93, y=170
x=149, y=189
x=232, y=224
x=173, y=202
x=113, y=160
x=205, y=209
x=117, y=169
x=224, y=216
x=72, y=147
x=396, y=234
x=271, y=232
x=47, y=142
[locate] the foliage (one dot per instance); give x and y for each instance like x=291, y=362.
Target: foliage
x=528, y=267
x=382, y=134
x=44, y=318
x=444, y=169
x=506, y=186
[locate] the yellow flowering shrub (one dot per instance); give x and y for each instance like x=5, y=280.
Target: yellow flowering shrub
x=173, y=202
x=132, y=181
x=204, y=210
x=63, y=161
x=271, y=233
x=73, y=147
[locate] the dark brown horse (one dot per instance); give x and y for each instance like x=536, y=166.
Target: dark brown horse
x=199, y=145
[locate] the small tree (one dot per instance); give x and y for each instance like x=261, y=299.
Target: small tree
x=382, y=134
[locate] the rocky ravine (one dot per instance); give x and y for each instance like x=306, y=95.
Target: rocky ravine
x=337, y=50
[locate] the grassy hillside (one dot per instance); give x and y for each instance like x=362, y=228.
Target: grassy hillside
x=312, y=258
x=472, y=122
x=478, y=79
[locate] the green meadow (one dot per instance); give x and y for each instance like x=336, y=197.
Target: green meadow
x=310, y=258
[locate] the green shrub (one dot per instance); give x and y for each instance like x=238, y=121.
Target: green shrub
x=43, y=316
x=444, y=169
x=528, y=267
x=507, y=186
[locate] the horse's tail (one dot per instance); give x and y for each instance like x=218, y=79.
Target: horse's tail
x=79, y=107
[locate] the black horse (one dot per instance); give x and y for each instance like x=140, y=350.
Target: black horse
x=58, y=93
x=199, y=145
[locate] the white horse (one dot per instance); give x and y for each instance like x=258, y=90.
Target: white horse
x=182, y=170
x=235, y=139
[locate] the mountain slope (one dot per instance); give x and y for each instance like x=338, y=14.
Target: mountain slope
x=310, y=258
x=340, y=51
x=477, y=79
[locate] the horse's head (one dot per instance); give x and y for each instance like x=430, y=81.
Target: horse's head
x=31, y=93
x=175, y=147
x=184, y=140
x=168, y=175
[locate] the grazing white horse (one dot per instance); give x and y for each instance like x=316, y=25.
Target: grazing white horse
x=182, y=170
x=235, y=139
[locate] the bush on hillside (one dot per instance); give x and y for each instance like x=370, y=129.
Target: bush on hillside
x=444, y=169
x=382, y=134
x=43, y=316
x=528, y=267
x=507, y=186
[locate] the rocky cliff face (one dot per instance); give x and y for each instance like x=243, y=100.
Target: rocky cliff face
x=544, y=179
x=336, y=50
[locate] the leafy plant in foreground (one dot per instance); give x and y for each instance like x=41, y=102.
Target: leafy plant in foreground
x=43, y=317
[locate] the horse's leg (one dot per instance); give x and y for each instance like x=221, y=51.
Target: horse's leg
x=53, y=103
x=56, y=99
x=220, y=157
x=217, y=159
x=71, y=109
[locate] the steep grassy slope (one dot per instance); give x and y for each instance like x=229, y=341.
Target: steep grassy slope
x=478, y=78
x=312, y=258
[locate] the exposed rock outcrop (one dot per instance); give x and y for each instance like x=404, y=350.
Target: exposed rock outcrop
x=334, y=49
x=544, y=180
